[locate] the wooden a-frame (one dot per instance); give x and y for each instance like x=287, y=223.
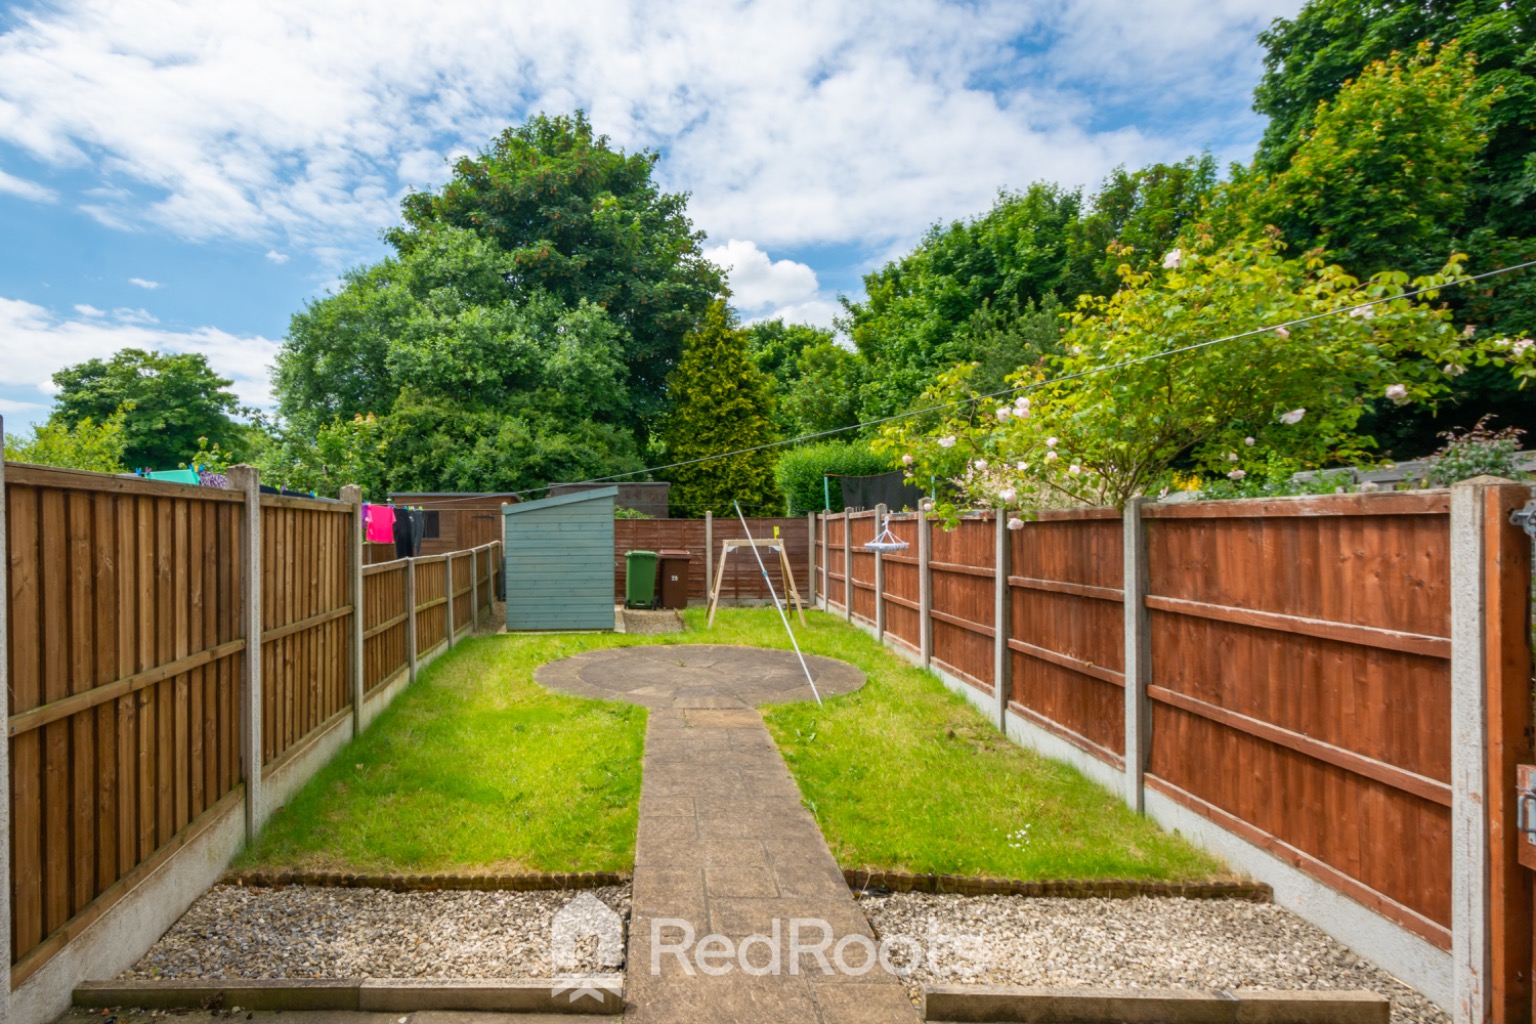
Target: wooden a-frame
x=788, y=576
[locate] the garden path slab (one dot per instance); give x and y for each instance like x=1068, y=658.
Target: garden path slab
x=698, y=676
x=725, y=848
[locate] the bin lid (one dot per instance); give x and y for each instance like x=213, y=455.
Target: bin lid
x=677, y=554
x=646, y=554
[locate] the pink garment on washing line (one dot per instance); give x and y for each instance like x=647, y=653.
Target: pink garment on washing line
x=380, y=522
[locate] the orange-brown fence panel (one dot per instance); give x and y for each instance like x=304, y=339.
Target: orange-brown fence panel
x=743, y=581
x=124, y=670
x=899, y=595
x=837, y=565
x=385, y=623
x=862, y=530
x=431, y=604
x=1300, y=686
x=662, y=535
x=306, y=646
x=963, y=567
x=1067, y=639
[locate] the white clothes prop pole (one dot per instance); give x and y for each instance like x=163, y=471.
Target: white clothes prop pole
x=779, y=607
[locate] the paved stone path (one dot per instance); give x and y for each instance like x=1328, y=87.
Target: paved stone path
x=697, y=676
x=725, y=846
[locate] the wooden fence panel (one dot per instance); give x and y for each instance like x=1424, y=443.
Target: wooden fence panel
x=837, y=579
x=431, y=604
x=862, y=527
x=463, y=585
x=900, y=594
x=124, y=675
x=1301, y=686
x=385, y=622
x=743, y=581
x=486, y=560
x=1067, y=639
x=963, y=567
x=306, y=648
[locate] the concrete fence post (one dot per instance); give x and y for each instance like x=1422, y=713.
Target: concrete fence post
x=1002, y=656
x=924, y=590
x=354, y=494
x=448, y=589
x=410, y=617
x=709, y=551
x=1138, y=654
x=247, y=481
x=810, y=542
x=5, y=748
x=880, y=514
x=1471, y=952
x=847, y=567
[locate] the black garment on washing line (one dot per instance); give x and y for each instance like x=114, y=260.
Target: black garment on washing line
x=410, y=525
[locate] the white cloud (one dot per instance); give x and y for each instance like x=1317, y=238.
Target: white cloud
x=757, y=280
x=139, y=282
x=35, y=342
x=10, y=407
x=817, y=312
x=125, y=315
x=14, y=186
x=277, y=257
x=85, y=309
x=790, y=121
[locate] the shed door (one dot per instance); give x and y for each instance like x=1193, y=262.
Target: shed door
x=560, y=566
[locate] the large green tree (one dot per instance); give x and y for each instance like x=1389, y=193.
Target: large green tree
x=721, y=403
x=171, y=402
x=582, y=222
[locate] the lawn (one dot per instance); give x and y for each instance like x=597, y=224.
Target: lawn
x=903, y=774
x=476, y=766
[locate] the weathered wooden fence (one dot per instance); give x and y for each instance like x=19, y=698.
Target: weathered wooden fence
x=702, y=538
x=136, y=699
x=1284, y=679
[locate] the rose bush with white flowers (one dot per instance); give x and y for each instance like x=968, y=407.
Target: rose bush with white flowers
x=1108, y=420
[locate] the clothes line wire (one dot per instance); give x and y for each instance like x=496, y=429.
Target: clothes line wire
x=1023, y=388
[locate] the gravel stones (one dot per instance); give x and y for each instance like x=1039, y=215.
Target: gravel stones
x=301, y=932
x=1146, y=942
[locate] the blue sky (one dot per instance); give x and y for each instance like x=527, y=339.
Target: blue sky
x=185, y=175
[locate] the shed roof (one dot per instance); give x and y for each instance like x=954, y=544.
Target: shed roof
x=605, y=494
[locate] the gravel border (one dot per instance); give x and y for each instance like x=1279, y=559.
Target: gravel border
x=303, y=932
x=1156, y=942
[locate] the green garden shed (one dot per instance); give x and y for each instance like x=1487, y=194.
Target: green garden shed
x=559, y=555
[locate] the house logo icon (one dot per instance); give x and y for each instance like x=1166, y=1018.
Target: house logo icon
x=575, y=928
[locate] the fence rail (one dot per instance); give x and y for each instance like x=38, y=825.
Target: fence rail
x=703, y=538
x=134, y=695
x=1281, y=670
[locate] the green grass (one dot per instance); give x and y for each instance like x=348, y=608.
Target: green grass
x=903, y=774
x=476, y=766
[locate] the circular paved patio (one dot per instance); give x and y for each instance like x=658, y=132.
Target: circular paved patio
x=697, y=676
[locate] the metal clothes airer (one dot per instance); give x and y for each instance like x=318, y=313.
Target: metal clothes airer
x=886, y=541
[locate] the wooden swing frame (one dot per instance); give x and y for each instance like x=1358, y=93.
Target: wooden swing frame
x=762, y=544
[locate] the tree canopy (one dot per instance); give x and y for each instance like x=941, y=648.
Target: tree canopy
x=172, y=403
x=722, y=403
x=523, y=331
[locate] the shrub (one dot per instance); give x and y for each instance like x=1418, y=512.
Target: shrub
x=800, y=473
x=1481, y=451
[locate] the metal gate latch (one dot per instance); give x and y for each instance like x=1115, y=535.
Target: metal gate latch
x=1525, y=518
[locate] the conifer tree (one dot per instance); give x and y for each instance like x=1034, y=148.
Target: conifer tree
x=721, y=402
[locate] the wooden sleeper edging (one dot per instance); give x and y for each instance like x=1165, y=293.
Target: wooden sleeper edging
x=396, y=995
x=904, y=881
